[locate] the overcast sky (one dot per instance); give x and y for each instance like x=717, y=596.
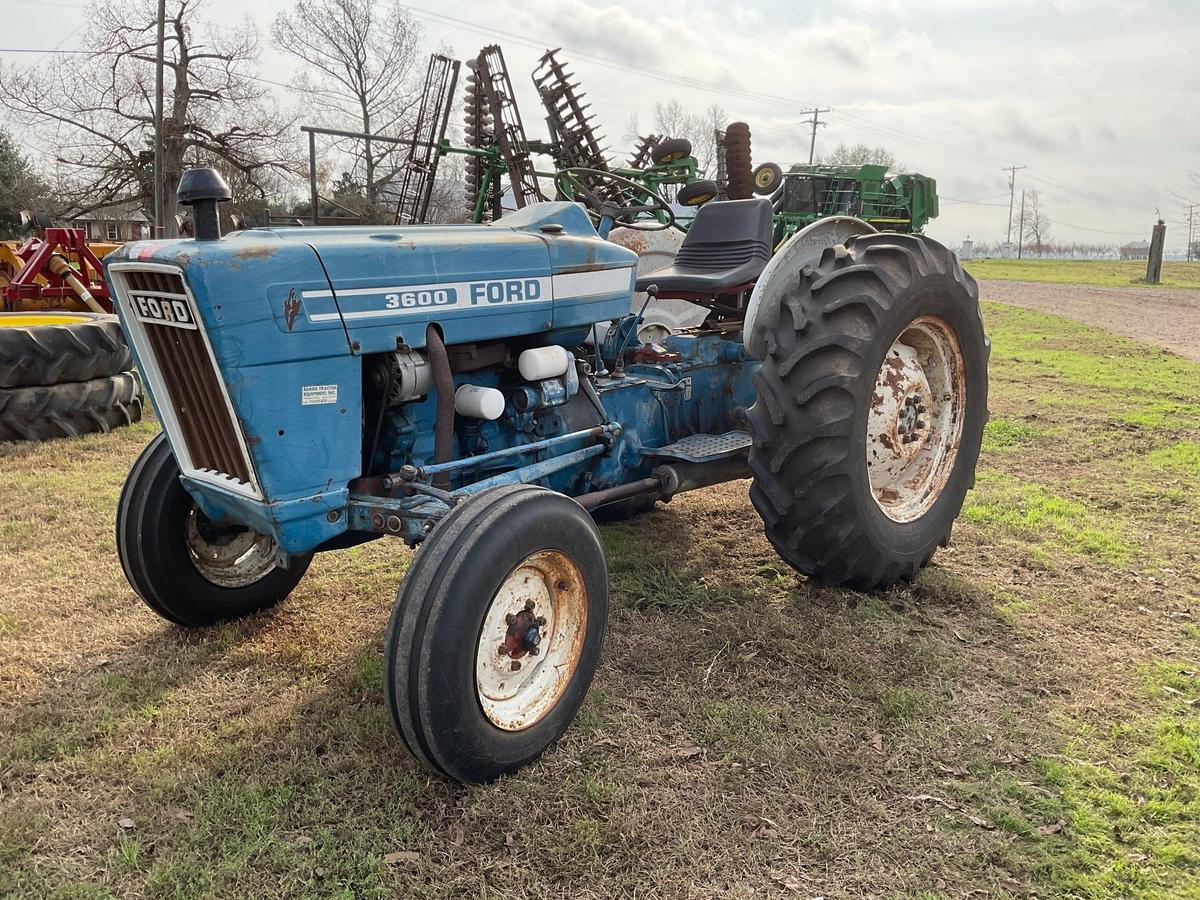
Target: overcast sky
x=1100, y=100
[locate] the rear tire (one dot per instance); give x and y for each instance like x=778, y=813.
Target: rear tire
x=70, y=409
x=162, y=536
x=49, y=348
x=463, y=707
x=820, y=453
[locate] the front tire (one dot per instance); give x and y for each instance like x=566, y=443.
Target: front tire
x=872, y=400
x=186, y=569
x=507, y=570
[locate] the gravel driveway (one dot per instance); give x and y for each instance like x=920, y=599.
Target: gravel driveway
x=1161, y=317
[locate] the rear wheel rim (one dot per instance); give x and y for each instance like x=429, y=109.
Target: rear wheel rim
x=520, y=675
x=915, y=421
x=228, y=557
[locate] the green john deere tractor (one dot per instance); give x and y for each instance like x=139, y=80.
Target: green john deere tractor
x=890, y=201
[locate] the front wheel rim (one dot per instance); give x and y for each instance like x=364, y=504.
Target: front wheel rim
x=915, y=421
x=531, y=640
x=228, y=557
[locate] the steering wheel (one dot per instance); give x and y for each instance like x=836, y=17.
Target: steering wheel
x=570, y=184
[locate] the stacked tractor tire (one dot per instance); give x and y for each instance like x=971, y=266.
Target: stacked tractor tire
x=64, y=374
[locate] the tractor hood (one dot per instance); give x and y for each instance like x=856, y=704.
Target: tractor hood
x=542, y=271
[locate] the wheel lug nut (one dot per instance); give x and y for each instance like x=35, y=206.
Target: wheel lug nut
x=529, y=604
x=541, y=620
x=920, y=423
x=510, y=619
x=533, y=651
x=516, y=666
x=502, y=650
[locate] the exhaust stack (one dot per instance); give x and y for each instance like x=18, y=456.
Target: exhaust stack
x=203, y=189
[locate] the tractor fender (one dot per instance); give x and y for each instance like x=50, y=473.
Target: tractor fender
x=804, y=248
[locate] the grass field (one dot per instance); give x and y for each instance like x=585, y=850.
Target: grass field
x=1102, y=272
x=1023, y=720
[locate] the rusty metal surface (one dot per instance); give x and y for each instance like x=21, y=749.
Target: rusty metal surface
x=520, y=676
x=230, y=558
x=915, y=419
x=737, y=166
x=478, y=132
x=192, y=383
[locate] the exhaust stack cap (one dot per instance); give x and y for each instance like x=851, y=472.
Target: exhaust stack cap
x=203, y=189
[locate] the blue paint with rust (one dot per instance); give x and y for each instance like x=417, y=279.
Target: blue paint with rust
x=298, y=307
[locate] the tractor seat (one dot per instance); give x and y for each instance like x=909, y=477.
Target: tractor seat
x=725, y=250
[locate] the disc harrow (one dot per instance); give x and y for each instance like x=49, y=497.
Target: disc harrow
x=640, y=158
x=739, y=174
x=579, y=146
x=506, y=120
x=480, y=134
x=424, y=153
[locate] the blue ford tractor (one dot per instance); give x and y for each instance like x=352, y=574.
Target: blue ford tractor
x=481, y=391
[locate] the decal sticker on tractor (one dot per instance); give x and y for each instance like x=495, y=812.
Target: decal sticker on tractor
x=317, y=394
x=291, y=309
x=409, y=298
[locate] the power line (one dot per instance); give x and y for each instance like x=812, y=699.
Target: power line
x=1096, y=230
x=931, y=143
x=972, y=202
x=1082, y=193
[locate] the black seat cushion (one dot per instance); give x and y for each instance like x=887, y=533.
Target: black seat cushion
x=727, y=247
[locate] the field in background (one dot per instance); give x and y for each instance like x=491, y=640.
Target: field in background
x=1021, y=720
x=1103, y=272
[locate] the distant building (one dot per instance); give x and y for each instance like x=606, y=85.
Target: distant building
x=1136, y=250
x=124, y=222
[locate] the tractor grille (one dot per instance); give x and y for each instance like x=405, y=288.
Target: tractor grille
x=189, y=377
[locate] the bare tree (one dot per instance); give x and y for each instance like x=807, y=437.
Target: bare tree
x=673, y=120
x=859, y=155
x=361, y=73
x=94, y=114
x=1035, y=225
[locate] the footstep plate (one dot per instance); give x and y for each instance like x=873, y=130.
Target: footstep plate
x=700, y=448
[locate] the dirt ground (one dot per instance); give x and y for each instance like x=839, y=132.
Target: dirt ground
x=1021, y=722
x=1164, y=318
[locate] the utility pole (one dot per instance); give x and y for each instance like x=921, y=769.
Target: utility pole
x=814, y=120
x=1020, y=227
x=1012, y=182
x=159, y=218
x=1191, y=220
